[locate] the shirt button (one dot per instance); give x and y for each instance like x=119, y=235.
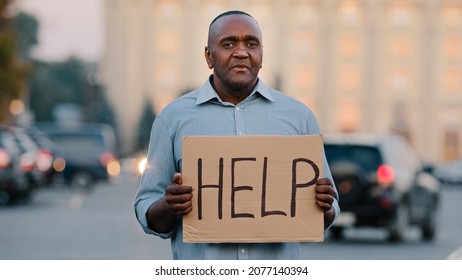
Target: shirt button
x=243, y=251
x=237, y=108
x=240, y=133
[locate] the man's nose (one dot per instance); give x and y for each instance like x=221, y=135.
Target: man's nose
x=241, y=50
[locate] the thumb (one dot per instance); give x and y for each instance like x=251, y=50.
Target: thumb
x=177, y=179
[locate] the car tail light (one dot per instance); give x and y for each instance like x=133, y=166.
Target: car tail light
x=105, y=158
x=385, y=175
x=59, y=164
x=5, y=158
x=44, y=160
x=27, y=162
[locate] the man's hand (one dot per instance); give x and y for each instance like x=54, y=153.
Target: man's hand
x=325, y=197
x=176, y=201
x=179, y=197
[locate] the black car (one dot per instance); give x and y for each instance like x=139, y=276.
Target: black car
x=47, y=160
x=31, y=157
x=381, y=183
x=13, y=178
x=88, y=149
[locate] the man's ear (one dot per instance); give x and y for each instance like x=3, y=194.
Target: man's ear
x=208, y=58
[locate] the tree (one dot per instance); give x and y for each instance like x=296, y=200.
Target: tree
x=26, y=30
x=55, y=83
x=12, y=71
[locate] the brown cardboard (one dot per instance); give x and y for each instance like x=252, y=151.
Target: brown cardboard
x=264, y=210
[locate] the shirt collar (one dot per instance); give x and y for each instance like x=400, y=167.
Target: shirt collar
x=207, y=92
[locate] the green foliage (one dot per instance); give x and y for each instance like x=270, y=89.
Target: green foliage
x=55, y=83
x=26, y=30
x=12, y=72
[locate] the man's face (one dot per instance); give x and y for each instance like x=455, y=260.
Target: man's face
x=235, y=52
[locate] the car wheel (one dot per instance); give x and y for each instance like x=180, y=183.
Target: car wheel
x=336, y=233
x=81, y=180
x=400, y=224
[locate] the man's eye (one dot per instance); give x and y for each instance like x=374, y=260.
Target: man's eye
x=252, y=44
x=229, y=45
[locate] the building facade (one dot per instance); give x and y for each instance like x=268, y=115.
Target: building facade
x=375, y=66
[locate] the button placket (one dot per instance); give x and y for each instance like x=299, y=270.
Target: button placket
x=239, y=120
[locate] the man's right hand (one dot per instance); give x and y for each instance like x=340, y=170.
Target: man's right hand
x=176, y=201
x=179, y=197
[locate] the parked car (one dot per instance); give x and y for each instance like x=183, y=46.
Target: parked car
x=30, y=155
x=47, y=158
x=449, y=173
x=13, y=181
x=381, y=183
x=89, y=151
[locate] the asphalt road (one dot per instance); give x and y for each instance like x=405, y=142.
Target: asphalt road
x=100, y=225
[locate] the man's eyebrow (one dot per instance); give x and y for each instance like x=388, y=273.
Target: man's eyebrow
x=237, y=38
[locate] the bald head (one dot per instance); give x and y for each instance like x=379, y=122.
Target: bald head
x=216, y=20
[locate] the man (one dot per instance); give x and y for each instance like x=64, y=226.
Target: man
x=234, y=101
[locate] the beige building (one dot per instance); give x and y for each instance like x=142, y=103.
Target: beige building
x=362, y=65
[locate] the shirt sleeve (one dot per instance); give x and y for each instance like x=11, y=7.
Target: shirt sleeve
x=158, y=174
x=314, y=128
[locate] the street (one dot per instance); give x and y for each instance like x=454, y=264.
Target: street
x=100, y=225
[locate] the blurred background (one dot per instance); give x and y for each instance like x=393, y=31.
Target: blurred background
x=369, y=66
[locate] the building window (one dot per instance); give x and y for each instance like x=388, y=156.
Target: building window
x=452, y=79
x=350, y=79
x=400, y=47
x=349, y=11
x=350, y=46
x=348, y=114
x=304, y=78
x=169, y=44
x=452, y=14
x=452, y=46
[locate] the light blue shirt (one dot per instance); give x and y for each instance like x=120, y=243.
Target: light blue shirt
x=201, y=112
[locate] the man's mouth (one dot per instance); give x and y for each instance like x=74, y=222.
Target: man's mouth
x=240, y=66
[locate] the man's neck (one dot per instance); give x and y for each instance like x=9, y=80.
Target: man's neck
x=232, y=95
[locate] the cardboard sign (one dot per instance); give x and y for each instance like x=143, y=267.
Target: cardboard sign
x=253, y=188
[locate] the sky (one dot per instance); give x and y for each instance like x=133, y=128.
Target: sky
x=67, y=28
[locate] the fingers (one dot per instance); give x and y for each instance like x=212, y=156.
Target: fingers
x=179, y=197
x=324, y=186
x=324, y=194
x=180, y=208
x=177, y=179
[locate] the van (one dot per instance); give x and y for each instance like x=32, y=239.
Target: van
x=89, y=151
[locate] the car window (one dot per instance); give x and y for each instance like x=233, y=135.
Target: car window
x=367, y=157
x=79, y=146
x=402, y=156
